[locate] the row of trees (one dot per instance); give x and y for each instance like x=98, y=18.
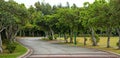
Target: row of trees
x=101, y=15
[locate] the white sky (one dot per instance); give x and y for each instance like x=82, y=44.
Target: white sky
x=79, y=3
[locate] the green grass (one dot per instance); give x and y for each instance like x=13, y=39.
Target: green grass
x=19, y=51
x=101, y=45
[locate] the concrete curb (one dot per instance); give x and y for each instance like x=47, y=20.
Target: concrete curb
x=110, y=52
x=28, y=53
x=105, y=51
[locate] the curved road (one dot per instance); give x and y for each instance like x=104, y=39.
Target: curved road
x=44, y=49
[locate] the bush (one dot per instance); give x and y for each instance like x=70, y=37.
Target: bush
x=11, y=47
x=45, y=39
x=56, y=35
x=117, y=44
x=97, y=38
x=50, y=38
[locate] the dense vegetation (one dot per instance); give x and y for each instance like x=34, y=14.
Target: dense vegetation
x=100, y=17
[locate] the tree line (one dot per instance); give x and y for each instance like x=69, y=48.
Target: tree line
x=101, y=16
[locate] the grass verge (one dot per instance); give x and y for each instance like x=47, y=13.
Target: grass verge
x=19, y=51
x=101, y=45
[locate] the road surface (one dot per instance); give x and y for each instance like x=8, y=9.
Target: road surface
x=44, y=49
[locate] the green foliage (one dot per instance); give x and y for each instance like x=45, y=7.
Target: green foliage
x=117, y=44
x=46, y=39
x=50, y=37
x=97, y=38
x=20, y=50
x=85, y=39
x=11, y=47
x=56, y=36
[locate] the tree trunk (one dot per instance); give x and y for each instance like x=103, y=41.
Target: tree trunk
x=46, y=34
x=85, y=39
x=6, y=35
x=65, y=38
x=118, y=30
x=20, y=33
x=101, y=33
x=23, y=33
x=75, y=35
x=52, y=33
x=29, y=33
x=108, y=40
x=11, y=33
x=1, y=50
x=33, y=33
x=93, y=38
x=71, y=36
x=14, y=35
x=59, y=35
x=37, y=34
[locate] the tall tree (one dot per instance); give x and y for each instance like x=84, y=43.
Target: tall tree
x=115, y=15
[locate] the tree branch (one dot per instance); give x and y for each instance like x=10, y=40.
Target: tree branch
x=2, y=29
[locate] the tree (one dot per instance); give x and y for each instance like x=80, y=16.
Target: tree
x=2, y=27
x=18, y=16
x=93, y=18
x=51, y=20
x=87, y=19
x=105, y=21
x=45, y=8
x=115, y=15
x=83, y=28
x=3, y=24
x=70, y=18
x=4, y=19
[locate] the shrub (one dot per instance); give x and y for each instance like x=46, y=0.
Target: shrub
x=50, y=38
x=45, y=39
x=56, y=35
x=11, y=47
x=97, y=38
x=117, y=44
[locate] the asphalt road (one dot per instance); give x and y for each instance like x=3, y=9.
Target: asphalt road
x=44, y=49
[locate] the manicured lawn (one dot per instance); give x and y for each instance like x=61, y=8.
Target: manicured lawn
x=19, y=51
x=102, y=41
x=101, y=45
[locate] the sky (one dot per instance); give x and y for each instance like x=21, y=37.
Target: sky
x=79, y=3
